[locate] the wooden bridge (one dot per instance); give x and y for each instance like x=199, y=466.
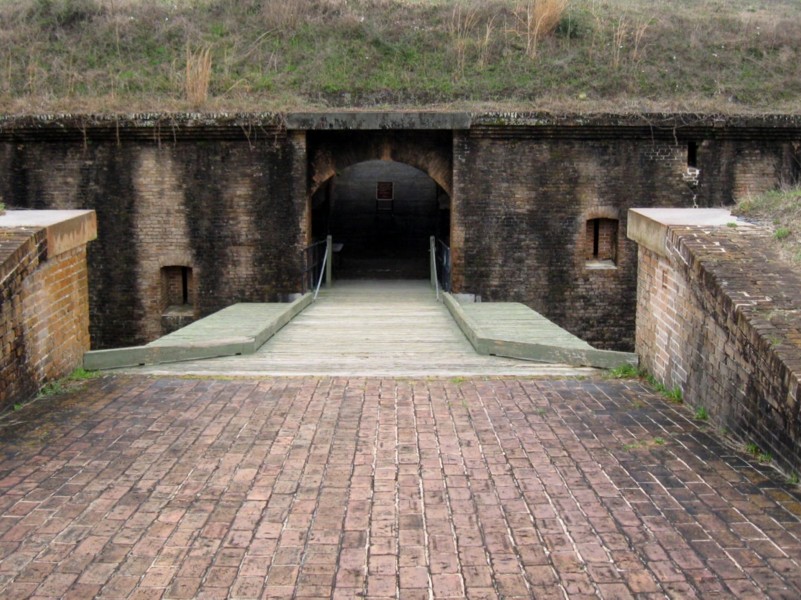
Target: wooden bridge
x=364, y=328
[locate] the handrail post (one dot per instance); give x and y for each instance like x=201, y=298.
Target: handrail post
x=329, y=247
x=432, y=250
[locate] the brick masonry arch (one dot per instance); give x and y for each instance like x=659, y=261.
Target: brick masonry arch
x=330, y=153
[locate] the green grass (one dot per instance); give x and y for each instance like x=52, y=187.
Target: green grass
x=81, y=374
x=701, y=414
x=780, y=210
x=51, y=389
x=674, y=395
x=729, y=56
x=781, y=233
x=624, y=372
x=644, y=444
x=752, y=449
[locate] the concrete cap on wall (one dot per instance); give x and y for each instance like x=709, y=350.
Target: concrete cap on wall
x=66, y=229
x=649, y=226
x=377, y=120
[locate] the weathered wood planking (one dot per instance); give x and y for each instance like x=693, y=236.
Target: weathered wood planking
x=514, y=330
x=371, y=328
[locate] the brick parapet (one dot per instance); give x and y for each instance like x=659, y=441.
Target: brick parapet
x=717, y=316
x=44, y=314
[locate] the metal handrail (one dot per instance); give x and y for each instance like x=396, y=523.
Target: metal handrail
x=432, y=251
x=322, y=269
x=311, y=262
x=443, y=255
x=440, y=265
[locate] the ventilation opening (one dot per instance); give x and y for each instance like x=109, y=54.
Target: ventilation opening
x=177, y=297
x=692, y=154
x=601, y=250
x=384, y=197
x=177, y=286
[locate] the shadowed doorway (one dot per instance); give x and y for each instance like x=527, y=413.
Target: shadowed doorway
x=381, y=215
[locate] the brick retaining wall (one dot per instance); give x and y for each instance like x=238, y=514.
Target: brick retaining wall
x=719, y=316
x=44, y=315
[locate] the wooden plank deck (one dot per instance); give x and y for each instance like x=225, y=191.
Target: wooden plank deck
x=235, y=321
x=517, y=322
x=239, y=329
x=514, y=330
x=370, y=328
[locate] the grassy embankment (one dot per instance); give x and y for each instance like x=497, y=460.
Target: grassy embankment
x=721, y=56
x=779, y=210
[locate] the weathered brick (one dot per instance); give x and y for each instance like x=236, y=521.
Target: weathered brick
x=727, y=339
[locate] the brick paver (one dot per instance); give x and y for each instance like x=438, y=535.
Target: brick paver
x=382, y=488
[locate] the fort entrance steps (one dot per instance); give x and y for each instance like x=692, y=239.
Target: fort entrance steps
x=370, y=328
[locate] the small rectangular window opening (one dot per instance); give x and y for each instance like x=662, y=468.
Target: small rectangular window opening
x=692, y=154
x=384, y=196
x=177, y=286
x=185, y=285
x=601, y=245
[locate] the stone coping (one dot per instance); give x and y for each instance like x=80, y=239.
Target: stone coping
x=65, y=229
x=166, y=125
x=378, y=120
x=648, y=227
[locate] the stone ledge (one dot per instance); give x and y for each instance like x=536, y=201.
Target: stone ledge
x=365, y=120
x=649, y=227
x=65, y=229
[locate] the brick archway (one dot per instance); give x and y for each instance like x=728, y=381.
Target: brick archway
x=389, y=242
x=332, y=152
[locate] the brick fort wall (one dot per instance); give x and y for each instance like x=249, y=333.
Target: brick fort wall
x=229, y=199
x=229, y=205
x=525, y=191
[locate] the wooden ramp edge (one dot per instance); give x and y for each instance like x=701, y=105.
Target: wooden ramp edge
x=236, y=330
x=496, y=340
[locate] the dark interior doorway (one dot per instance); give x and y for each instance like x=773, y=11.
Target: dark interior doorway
x=383, y=214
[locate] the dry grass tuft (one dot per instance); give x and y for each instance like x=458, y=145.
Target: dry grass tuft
x=198, y=76
x=539, y=19
x=283, y=15
x=463, y=22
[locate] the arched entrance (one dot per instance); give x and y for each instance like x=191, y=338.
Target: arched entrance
x=380, y=214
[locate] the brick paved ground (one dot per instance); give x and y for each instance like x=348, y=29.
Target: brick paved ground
x=174, y=488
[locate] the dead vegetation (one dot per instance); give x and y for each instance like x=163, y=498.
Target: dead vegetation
x=722, y=56
x=539, y=19
x=198, y=76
